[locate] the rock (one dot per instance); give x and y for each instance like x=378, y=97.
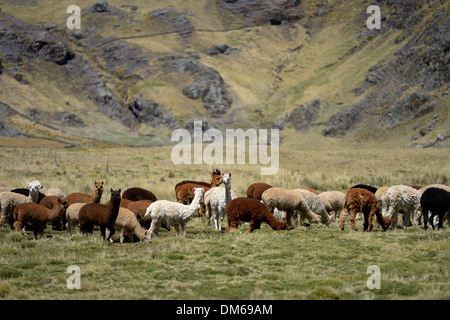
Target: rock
x=100, y=6
x=6, y=129
x=152, y=113
x=71, y=119
x=303, y=116
x=221, y=49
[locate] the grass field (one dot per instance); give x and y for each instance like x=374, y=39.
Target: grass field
x=305, y=263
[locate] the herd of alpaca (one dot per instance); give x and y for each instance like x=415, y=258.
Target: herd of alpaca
x=139, y=214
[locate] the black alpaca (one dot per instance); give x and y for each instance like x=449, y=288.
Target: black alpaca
x=437, y=201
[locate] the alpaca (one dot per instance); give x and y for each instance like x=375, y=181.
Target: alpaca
x=253, y=211
x=8, y=202
x=49, y=202
x=216, y=172
x=37, y=215
x=255, y=190
x=312, y=190
x=136, y=194
x=55, y=192
x=380, y=194
x=365, y=186
x=315, y=205
x=333, y=202
x=72, y=214
x=217, y=198
x=173, y=213
x=139, y=208
x=126, y=220
x=185, y=194
x=437, y=201
x=78, y=197
x=102, y=215
x=32, y=190
x=362, y=200
x=289, y=201
x=405, y=198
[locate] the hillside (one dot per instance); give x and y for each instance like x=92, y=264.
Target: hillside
x=137, y=71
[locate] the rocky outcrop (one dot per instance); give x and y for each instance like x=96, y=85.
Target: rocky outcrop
x=152, y=113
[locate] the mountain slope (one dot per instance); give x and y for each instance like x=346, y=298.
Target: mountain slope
x=134, y=73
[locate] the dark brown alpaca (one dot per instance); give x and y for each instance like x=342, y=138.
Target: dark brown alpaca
x=255, y=190
x=102, y=215
x=37, y=215
x=253, y=211
x=78, y=197
x=362, y=200
x=136, y=194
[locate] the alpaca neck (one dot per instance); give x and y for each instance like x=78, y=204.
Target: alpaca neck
x=33, y=196
x=114, y=207
x=55, y=212
x=195, y=204
x=271, y=221
x=96, y=196
x=384, y=222
x=228, y=192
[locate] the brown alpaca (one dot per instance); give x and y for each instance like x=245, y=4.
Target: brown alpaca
x=253, y=211
x=216, y=172
x=136, y=194
x=78, y=197
x=37, y=215
x=255, y=190
x=102, y=215
x=49, y=202
x=361, y=200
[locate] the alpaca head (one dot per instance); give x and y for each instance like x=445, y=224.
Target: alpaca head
x=226, y=179
x=98, y=187
x=284, y=226
x=216, y=172
x=63, y=203
x=35, y=186
x=198, y=192
x=115, y=195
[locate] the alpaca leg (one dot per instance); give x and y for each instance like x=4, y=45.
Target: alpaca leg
x=393, y=214
x=177, y=228
x=111, y=233
x=352, y=220
x=432, y=219
x=343, y=218
x=152, y=228
x=103, y=232
x=251, y=226
x=366, y=220
x=183, y=229
x=406, y=219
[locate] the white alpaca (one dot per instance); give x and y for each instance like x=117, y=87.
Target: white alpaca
x=404, y=198
x=315, y=205
x=333, y=202
x=72, y=216
x=173, y=213
x=217, y=198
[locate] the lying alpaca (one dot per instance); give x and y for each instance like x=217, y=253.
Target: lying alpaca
x=102, y=215
x=78, y=197
x=361, y=200
x=437, y=201
x=255, y=190
x=37, y=215
x=216, y=199
x=289, y=201
x=173, y=213
x=253, y=211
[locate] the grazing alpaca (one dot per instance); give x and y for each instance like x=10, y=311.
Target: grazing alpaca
x=289, y=201
x=72, y=214
x=255, y=190
x=315, y=205
x=102, y=215
x=362, y=200
x=365, y=186
x=217, y=198
x=37, y=215
x=437, y=201
x=404, y=198
x=126, y=220
x=173, y=213
x=78, y=197
x=136, y=194
x=333, y=202
x=253, y=211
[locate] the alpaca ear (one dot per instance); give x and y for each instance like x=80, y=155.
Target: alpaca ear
x=59, y=200
x=229, y=174
x=111, y=190
x=119, y=190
